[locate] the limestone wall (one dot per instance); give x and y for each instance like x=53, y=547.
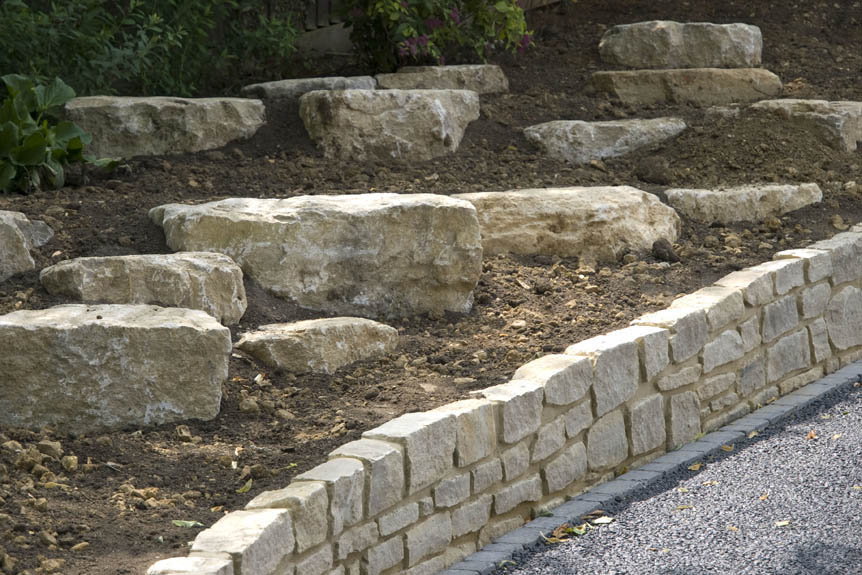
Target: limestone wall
x=420, y=492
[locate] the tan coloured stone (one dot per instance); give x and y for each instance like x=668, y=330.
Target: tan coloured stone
x=616, y=368
x=743, y=203
x=566, y=379
x=309, y=506
x=479, y=78
x=843, y=318
x=194, y=280
x=837, y=123
x=597, y=222
x=757, y=285
x=647, y=424
x=688, y=325
x=567, y=467
x=384, y=471
x=684, y=419
x=384, y=254
x=721, y=304
x=86, y=367
x=818, y=263
x=258, y=540
x=292, y=89
x=18, y=235
x=193, y=565
x=607, y=445
x=475, y=429
x=385, y=124
x=345, y=482
x=520, y=408
x=149, y=126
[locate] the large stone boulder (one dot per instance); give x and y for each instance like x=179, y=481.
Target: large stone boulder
x=319, y=345
x=666, y=44
x=386, y=124
x=744, y=203
x=18, y=235
x=281, y=90
x=480, y=78
x=580, y=142
x=377, y=254
x=838, y=123
x=85, y=367
x=592, y=222
x=206, y=281
x=697, y=86
x=130, y=127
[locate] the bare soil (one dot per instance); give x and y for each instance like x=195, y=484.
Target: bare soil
x=113, y=514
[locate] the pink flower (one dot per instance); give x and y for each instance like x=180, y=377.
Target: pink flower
x=455, y=16
x=433, y=23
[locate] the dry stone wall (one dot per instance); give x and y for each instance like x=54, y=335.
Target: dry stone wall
x=424, y=490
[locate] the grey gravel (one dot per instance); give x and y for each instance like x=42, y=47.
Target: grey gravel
x=736, y=500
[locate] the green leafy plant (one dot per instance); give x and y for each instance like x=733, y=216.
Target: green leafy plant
x=35, y=145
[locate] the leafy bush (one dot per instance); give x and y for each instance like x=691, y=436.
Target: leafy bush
x=35, y=147
x=389, y=33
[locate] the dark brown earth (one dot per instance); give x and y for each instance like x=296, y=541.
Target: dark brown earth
x=131, y=484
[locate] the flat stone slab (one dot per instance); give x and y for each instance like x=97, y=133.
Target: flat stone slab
x=580, y=142
x=597, y=222
x=385, y=124
x=480, y=78
x=838, y=123
x=293, y=89
x=667, y=44
x=196, y=280
x=319, y=345
x=744, y=203
x=86, y=367
x=18, y=235
x=697, y=86
x=379, y=254
x=150, y=126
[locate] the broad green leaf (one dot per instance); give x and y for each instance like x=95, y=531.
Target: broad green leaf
x=245, y=487
x=7, y=174
x=58, y=175
x=8, y=138
x=107, y=163
x=53, y=95
x=64, y=132
x=503, y=6
x=32, y=151
x=189, y=524
x=17, y=84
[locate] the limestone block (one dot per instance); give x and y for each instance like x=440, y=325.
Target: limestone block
x=818, y=263
x=616, y=367
x=498, y=528
x=193, y=565
x=568, y=466
x=551, y=438
x=751, y=203
x=793, y=383
x=82, y=367
x=426, y=506
x=607, y=445
x=839, y=124
x=787, y=273
x=779, y=317
x=563, y=221
x=384, y=471
x=336, y=253
x=580, y=142
x=696, y=86
x=752, y=377
x=846, y=251
x=479, y=78
x=578, y=418
x=722, y=305
x=819, y=334
x=647, y=424
x=722, y=419
x=309, y=508
x=725, y=348
x=566, y=379
x=520, y=407
x=515, y=460
x=843, y=318
x=345, y=482
x=749, y=330
x=688, y=326
x=365, y=125
x=358, y=538
x=684, y=419
x=723, y=402
x=317, y=563
x=398, y=519
x=471, y=516
x=450, y=492
x=681, y=378
x=487, y=474
x=19, y=235
x=257, y=540
x=757, y=285
x=509, y=497
x=194, y=280
x=716, y=385
x=290, y=90
x=652, y=348
x=429, y=442
x=789, y=353
x=429, y=537
x=763, y=397
x=475, y=429
x=668, y=44
x=153, y=126
x=815, y=299
x=381, y=557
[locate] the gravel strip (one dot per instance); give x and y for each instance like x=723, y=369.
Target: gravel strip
x=729, y=517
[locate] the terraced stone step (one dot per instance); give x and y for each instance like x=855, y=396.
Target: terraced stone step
x=480, y=78
x=19, y=235
x=838, y=123
x=743, y=203
x=289, y=90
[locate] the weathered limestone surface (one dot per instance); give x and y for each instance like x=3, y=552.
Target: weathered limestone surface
x=195, y=280
x=520, y=406
x=257, y=540
x=567, y=467
x=18, y=235
x=386, y=124
x=309, y=507
x=721, y=304
x=345, y=480
x=580, y=142
x=844, y=318
x=615, y=367
x=647, y=424
x=319, y=345
x=684, y=418
x=193, y=565
x=150, y=126
x=697, y=86
x=837, y=123
x=292, y=89
x=846, y=252
x=566, y=379
x=475, y=429
x=384, y=465
x=744, y=203
x=789, y=353
x=385, y=254
x=606, y=442
x=471, y=516
x=598, y=222
x=688, y=325
x=667, y=44
x=428, y=537
x=87, y=367
x=479, y=78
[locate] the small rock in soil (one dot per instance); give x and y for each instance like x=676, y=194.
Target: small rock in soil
x=663, y=250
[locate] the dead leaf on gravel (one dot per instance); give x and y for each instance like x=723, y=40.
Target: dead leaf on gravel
x=709, y=483
x=857, y=487
x=695, y=466
x=593, y=514
x=782, y=523
x=732, y=528
x=764, y=497
x=825, y=416
x=187, y=524
x=603, y=520
x=811, y=435
x=727, y=448
x=836, y=436
x=245, y=487
x=753, y=434
x=682, y=489
x=684, y=507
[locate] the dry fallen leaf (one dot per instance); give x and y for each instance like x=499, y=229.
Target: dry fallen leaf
x=811, y=435
x=603, y=520
x=825, y=416
x=836, y=436
x=753, y=434
x=857, y=487
x=727, y=448
x=682, y=489
x=764, y=497
x=709, y=483
x=782, y=523
x=684, y=507
x=695, y=466
x=732, y=528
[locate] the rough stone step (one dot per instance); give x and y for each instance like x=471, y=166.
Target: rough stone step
x=289, y=90
x=386, y=124
x=580, y=142
x=319, y=345
x=196, y=280
x=668, y=44
x=480, y=78
x=364, y=254
x=130, y=127
x=19, y=235
x=744, y=203
x=838, y=123
x=86, y=367
x=697, y=86
x=589, y=222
